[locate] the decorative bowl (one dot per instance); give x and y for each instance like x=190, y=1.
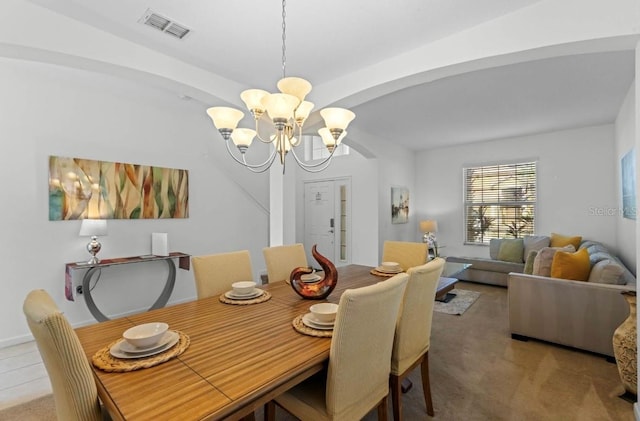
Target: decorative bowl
x=324, y=312
x=145, y=335
x=243, y=287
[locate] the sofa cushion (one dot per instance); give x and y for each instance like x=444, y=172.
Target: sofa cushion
x=573, y=266
x=494, y=247
x=511, y=250
x=535, y=242
x=607, y=272
x=559, y=240
x=544, y=258
x=528, y=264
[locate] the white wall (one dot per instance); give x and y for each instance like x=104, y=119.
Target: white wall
x=50, y=110
x=576, y=178
x=625, y=140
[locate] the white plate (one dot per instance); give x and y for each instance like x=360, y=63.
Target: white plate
x=117, y=351
x=310, y=277
x=382, y=269
x=255, y=294
x=309, y=320
x=130, y=349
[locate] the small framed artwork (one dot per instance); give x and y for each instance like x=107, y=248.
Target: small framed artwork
x=399, y=205
x=628, y=164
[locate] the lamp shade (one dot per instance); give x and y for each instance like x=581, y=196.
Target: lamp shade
x=93, y=227
x=429, y=225
x=327, y=137
x=243, y=137
x=280, y=105
x=225, y=117
x=295, y=86
x=303, y=110
x=253, y=98
x=337, y=118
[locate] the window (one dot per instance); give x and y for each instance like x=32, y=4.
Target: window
x=499, y=201
x=316, y=149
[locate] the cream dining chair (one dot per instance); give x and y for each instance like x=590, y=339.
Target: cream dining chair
x=281, y=260
x=413, y=332
x=406, y=253
x=214, y=273
x=74, y=388
x=356, y=381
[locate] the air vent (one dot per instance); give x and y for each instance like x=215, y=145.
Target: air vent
x=164, y=24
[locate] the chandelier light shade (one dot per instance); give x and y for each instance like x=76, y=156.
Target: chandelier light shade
x=287, y=111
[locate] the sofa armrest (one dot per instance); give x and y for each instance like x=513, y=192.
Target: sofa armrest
x=578, y=314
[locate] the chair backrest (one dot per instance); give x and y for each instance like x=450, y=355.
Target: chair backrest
x=360, y=355
x=214, y=273
x=407, y=254
x=74, y=389
x=281, y=260
x=413, y=330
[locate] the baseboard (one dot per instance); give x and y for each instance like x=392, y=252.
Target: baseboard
x=17, y=340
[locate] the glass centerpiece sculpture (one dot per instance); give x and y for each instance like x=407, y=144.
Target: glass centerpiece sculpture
x=315, y=290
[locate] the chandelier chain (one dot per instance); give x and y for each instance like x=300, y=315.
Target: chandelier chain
x=284, y=39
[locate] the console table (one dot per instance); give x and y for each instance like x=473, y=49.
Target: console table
x=183, y=263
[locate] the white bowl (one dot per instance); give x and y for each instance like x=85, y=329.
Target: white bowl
x=243, y=287
x=390, y=266
x=145, y=335
x=324, y=312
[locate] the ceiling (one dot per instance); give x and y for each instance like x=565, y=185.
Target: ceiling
x=241, y=40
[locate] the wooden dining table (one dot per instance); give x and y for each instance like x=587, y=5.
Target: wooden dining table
x=239, y=357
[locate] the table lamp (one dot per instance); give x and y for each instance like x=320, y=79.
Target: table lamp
x=429, y=228
x=93, y=228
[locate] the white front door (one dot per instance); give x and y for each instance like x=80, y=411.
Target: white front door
x=327, y=219
x=319, y=219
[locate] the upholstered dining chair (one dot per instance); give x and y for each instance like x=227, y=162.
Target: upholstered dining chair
x=74, y=388
x=214, y=273
x=355, y=381
x=413, y=332
x=281, y=260
x=405, y=253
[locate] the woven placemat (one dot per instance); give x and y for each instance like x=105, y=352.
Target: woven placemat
x=306, y=330
x=385, y=274
x=107, y=362
x=261, y=299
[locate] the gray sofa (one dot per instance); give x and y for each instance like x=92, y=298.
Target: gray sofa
x=578, y=314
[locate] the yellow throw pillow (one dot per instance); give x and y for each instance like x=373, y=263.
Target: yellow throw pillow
x=574, y=266
x=558, y=240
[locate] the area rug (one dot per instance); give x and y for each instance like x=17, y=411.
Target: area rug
x=458, y=304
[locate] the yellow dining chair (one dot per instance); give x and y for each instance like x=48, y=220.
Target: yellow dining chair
x=74, y=388
x=214, y=273
x=413, y=332
x=281, y=260
x=407, y=254
x=357, y=379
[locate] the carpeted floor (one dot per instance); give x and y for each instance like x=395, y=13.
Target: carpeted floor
x=459, y=304
x=479, y=373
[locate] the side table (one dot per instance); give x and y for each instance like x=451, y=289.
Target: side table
x=183, y=262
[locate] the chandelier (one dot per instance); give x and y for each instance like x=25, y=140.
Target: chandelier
x=287, y=112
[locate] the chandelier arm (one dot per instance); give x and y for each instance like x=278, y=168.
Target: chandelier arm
x=260, y=137
x=256, y=170
x=252, y=167
x=313, y=168
x=315, y=165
